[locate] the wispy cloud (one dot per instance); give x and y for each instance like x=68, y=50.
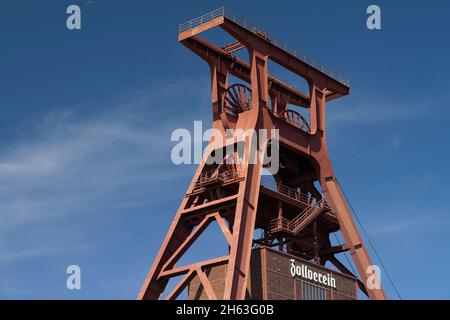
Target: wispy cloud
x=75, y=163
x=405, y=225
x=8, y=257
x=377, y=109
x=371, y=113
x=75, y=166
x=395, y=142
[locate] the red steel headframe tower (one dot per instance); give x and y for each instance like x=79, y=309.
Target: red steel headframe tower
x=296, y=215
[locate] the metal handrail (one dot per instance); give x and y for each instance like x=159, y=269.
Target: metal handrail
x=290, y=192
x=188, y=25
x=243, y=22
x=215, y=175
x=293, y=193
x=304, y=215
x=292, y=225
x=279, y=223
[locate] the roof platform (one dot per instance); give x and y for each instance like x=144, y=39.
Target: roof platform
x=286, y=55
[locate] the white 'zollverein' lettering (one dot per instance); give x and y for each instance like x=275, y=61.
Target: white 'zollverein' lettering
x=306, y=273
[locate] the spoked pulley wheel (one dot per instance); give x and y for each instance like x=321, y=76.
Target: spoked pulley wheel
x=237, y=99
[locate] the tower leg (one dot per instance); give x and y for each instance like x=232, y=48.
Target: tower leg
x=351, y=235
x=153, y=287
x=241, y=210
x=242, y=240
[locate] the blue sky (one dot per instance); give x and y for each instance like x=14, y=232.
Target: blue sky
x=86, y=117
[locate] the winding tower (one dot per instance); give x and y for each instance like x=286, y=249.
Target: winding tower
x=302, y=205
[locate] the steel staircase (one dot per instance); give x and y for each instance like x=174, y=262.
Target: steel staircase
x=306, y=216
x=296, y=225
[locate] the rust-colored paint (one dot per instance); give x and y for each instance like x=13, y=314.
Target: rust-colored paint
x=233, y=196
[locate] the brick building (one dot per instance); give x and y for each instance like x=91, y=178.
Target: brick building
x=276, y=275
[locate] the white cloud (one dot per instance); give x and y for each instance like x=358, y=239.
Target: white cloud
x=75, y=166
x=399, y=226
x=8, y=256
x=375, y=112
x=395, y=142
x=76, y=156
